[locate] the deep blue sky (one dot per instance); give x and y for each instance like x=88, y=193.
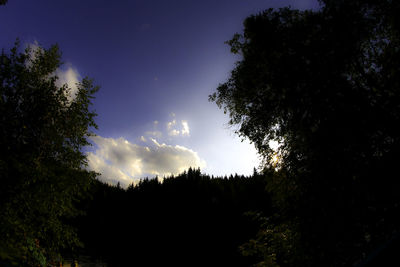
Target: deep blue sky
x=155, y=60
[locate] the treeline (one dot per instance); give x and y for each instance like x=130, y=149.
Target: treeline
x=188, y=220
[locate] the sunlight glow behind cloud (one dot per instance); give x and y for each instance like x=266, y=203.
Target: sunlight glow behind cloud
x=170, y=147
x=119, y=160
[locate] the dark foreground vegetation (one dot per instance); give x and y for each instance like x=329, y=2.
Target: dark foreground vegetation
x=187, y=220
x=325, y=84
x=42, y=133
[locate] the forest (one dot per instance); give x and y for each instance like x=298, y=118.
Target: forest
x=190, y=219
x=322, y=83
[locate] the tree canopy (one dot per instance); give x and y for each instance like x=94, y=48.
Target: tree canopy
x=325, y=84
x=307, y=76
x=42, y=166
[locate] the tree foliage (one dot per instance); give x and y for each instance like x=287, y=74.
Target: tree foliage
x=325, y=84
x=42, y=164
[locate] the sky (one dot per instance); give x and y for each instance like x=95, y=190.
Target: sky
x=156, y=62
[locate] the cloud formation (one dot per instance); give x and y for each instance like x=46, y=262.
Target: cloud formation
x=155, y=134
x=69, y=76
x=185, y=128
x=171, y=124
x=174, y=131
x=118, y=160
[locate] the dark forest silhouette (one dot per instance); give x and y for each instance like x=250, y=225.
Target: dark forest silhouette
x=187, y=220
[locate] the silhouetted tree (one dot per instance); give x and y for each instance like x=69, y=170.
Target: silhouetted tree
x=42, y=167
x=325, y=84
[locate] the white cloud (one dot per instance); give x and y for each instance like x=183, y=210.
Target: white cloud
x=173, y=131
x=120, y=160
x=171, y=124
x=71, y=77
x=156, y=134
x=185, y=128
x=109, y=173
x=34, y=48
x=170, y=127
